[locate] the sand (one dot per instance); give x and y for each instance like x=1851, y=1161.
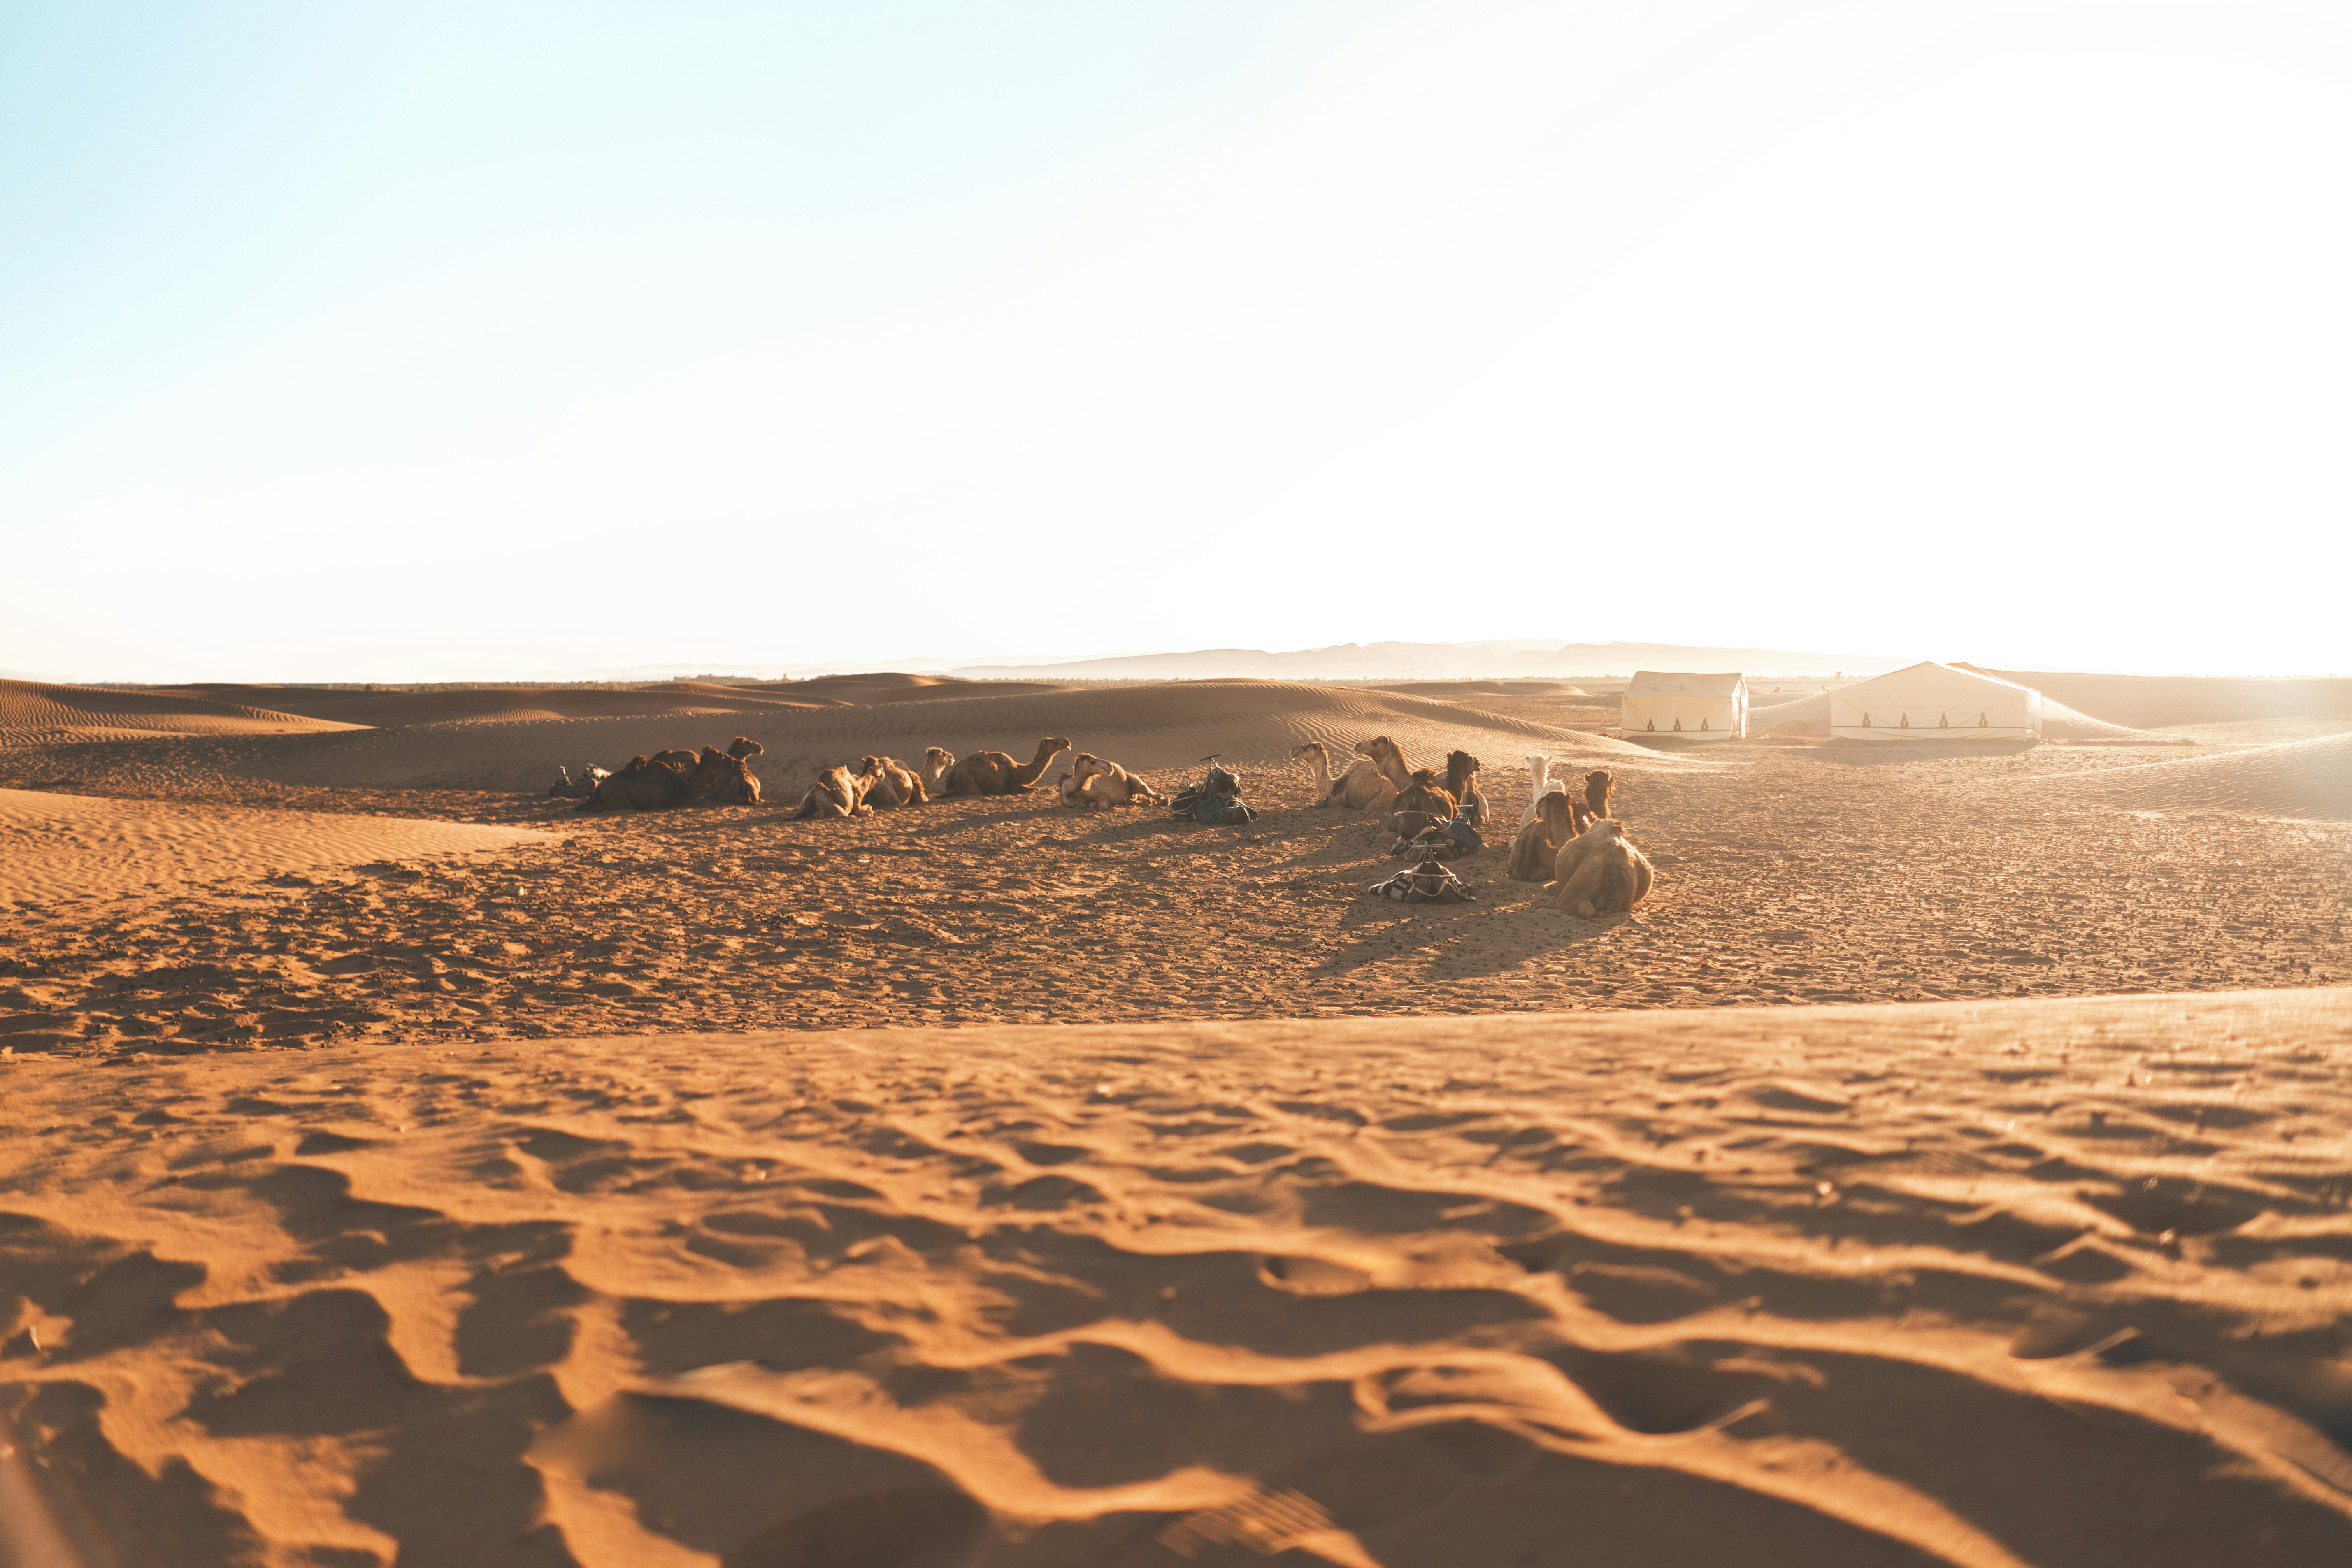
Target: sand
x=64, y=847
x=2056, y=1282
x=397, y=1164
x=33, y=714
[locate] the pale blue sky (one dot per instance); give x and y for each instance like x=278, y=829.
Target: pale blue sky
x=430, y=341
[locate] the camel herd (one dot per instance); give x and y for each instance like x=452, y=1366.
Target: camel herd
x=1566, y=841
x=1571, y=844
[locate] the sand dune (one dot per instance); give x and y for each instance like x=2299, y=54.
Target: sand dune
x=2305, y=780
x=61, y=846
x=454, y=705
x=1162, y=728
x=895, y=688
x=2157, y=703
x=2050, y=1283
x=33, y=713
x=1452, y=689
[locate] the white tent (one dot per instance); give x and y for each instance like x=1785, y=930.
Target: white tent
x=1935, y=702
x=1677, y=703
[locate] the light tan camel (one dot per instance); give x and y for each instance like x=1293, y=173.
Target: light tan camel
x=1363, y=787
x=1462, y=784
x=993, y=772
x=937, y=761
x=1536, y=848
x=1104, y=782
x=837, y=793
x=891, y=783
x=1600, y=872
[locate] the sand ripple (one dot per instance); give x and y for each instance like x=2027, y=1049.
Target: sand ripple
x=2061, y=1283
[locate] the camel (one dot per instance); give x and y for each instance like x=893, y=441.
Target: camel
x=741, y=748
x=937, y=761
x=727, y=778
x=1363, y=787
x=1106, y=782
x=1462, y=784
x=1066, y=786
x=1536, y=848
x=1538, y=785
x=1600, y=872
x=644, y=785
x=1424, y=793
x=1597, y=784
x=837, y=793
x=891, y=783
x=993, y=772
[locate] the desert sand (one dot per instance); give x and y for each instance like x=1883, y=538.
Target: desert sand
x=2058, y=1282
x=398, y=1166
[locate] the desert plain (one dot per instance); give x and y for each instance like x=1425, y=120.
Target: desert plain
x=1951, y=1163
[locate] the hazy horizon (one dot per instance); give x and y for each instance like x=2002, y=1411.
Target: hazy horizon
x=447, y=343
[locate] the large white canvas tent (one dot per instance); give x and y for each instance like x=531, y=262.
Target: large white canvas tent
x=1935, y=702
x=1679, y=703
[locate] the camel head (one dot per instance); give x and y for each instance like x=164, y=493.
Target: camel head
x=938, y=757
x=1557, y=812
x=1309, y=752
x=744, y=746
x=1086, y=765
x=1459, y=766
x=1597, y=784
x=1374, y=747
x=1052, y=746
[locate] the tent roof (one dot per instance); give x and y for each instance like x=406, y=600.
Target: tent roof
x=1930, y=676
x=1682, y=682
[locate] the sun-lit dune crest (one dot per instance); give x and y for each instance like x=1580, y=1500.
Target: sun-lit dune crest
x=2295, y=780
x=33, y=713
x=1778, y=1287
x=70, y=846
x=387, y=707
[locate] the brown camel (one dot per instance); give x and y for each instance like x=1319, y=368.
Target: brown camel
x=837, y=793
x=1424, y=793
x=1597, y=785
x=1600, y=872
x=644, y=786
x=727, y=779
x=1536, y=848
x=1462, y=784
x=993, y=772
x=1106, y=782
x=891, y=783
x=1363, y=787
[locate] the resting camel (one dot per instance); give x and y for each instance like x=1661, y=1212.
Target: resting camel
x=1536, y=848
x=993, y=772
x=937, y=761
x=726, y=777
x=1066, y=786
x=1462, y=784
x=741, y=748
x=1600, y=872
x=889, y=782
x=644, y=786
x=1363, y=787
x=1107, y=784
x=837, y=793
x=1425, y=793
x=1597, y=784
